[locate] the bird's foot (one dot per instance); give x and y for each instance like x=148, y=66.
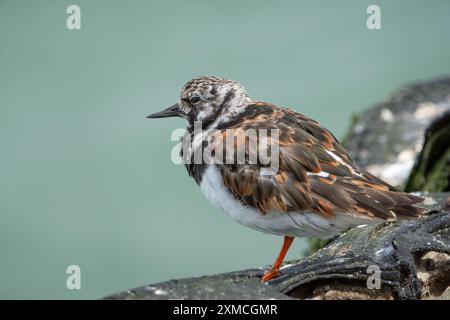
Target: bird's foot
x=270, y=274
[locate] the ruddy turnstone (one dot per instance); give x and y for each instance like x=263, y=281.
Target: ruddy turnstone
x=316, y=190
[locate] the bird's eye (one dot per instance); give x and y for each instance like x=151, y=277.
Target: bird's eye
x=194, y=99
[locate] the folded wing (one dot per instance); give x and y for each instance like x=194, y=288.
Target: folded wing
x=315, y=173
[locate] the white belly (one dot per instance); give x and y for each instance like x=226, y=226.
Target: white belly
x=292, y=224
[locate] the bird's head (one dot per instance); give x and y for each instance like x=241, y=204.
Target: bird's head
x=207, y=99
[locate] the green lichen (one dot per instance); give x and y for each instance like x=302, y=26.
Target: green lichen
x=432, y=170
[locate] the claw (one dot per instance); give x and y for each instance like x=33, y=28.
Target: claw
x=269, y=275
x=273, y=272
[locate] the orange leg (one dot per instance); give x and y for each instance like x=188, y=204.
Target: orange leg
x=273, y=272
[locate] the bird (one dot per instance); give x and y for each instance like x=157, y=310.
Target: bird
x=316, y=189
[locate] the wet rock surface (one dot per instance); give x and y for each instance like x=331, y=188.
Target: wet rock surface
x=387, y=139
x=238, y=285
x=412, y=255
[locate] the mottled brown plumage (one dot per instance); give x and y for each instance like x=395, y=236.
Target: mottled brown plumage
x=305, y=148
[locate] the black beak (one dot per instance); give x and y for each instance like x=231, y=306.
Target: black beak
x=172, y=111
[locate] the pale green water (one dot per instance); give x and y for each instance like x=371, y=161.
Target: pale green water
x=85, y=179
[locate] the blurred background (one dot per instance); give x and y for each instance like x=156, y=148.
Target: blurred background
x=86, y=179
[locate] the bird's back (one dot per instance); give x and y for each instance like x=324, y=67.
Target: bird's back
x=315, y=173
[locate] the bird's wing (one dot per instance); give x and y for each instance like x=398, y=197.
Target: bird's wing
x=314, y=173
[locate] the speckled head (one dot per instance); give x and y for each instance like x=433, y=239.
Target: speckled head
x=211, y=100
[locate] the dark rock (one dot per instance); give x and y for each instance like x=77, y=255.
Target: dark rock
x=238, y=285
x=413, y=256
x=387, y=139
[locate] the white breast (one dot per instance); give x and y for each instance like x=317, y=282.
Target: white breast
x=293, y=224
